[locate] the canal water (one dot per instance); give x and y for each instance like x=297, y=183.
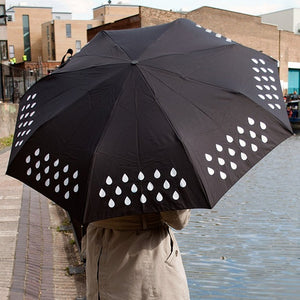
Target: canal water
x=248, y=245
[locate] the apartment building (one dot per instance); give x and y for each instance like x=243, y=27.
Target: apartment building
x=3, y=33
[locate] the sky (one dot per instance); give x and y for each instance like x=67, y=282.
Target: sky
x=83, y=10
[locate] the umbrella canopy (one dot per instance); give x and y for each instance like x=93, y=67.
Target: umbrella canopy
x=147, y=120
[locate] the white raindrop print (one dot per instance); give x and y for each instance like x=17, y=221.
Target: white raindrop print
x=46, y=170
x=38, y=177
x=229, y=138
x=221, y=161
x=75, y=174
x=264, y=139
x=156, y=174
x=159, y=197
x=47, y=182
x=125, y=178
x=143, y=199
x=29, y=172
x=231, y=152
x=208, y=157
x=210, y=171
x=76, y=188
x=66, y=181
x=67, y=195
x=141, y=176
x=175, y=195
x=219, y=148
x=243, y=156
x=166, y=185
x=134, y=188
x=47, y=157
x=242, y=143
x=118, y=191
x=173, y=172
x=240, y=130
x=28, y=158
x=252, y=134
x=56, y=175
x=57, y=188
x=182, y=183
x=66, y=168
x=223, y=175
x=56, y=163
x=37, y=165
x=102, y=193
x=37, y=152
x=127, y=201
x=233, y=165
x=262, y=125
x=109, y=180
x=251, y=121
x=150, y=186
x=254, y=147
x=111, y=203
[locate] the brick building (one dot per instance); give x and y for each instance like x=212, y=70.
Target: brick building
x=245, y=29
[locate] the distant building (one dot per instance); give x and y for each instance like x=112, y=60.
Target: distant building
x=288, y=19
x=3, y=33
x=245, y=29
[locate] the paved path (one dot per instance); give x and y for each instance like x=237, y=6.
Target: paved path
x=34, y=255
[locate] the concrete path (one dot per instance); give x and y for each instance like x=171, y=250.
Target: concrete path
x=35, y=256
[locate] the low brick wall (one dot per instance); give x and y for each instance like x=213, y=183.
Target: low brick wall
x=8, y=117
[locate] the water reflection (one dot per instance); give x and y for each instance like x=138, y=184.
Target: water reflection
x=247, y=247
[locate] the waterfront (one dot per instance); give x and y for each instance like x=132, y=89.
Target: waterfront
x=247, y=246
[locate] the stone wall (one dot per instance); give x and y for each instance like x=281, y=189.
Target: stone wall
x=8, y=117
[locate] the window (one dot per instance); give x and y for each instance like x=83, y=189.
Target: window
x=68, y=31
x=26, y=37
x=3, y=49
x=78, y=46
x=11, y=51
x=2, y=14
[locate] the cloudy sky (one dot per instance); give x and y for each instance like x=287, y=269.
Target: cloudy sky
x=83, y=10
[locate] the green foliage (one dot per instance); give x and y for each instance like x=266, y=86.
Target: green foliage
x=6, y=141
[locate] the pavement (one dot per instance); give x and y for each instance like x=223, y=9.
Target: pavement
x=35, y=255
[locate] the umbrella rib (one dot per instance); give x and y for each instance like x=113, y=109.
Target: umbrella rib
x=178, y=136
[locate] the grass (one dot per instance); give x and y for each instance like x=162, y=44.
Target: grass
x=6, y=141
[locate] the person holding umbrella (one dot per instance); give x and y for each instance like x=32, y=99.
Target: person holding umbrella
x=136, y=257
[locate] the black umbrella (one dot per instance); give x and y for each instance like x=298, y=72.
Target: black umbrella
x=147, y=120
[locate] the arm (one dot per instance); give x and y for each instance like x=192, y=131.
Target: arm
x=177, y=219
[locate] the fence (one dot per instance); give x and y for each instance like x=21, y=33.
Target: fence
x=16, y=81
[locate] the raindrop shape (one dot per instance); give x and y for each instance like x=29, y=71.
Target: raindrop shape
x=37, y=165
x=125, y=178
x=47, y=157
x=231, y=152
x=219, y=148
x=208, y=30
x=223, y=175
x=111, y=203
x=243, y=156
x=210, y=171
x=269, y=96
x=229, y=138
x=20, y=125
x=38, y=177
x=218, y=35
x=143, y=198
x=28, y=98
x=66, y=181
x=109, y=180
x=254, y=60
x=267, y=87
x=30, y=122
x=56, y=163
x=150, y=186
x=156, y=174
x=31, y=114
x=278, y=106
x=233, y=165
x=134, y=188
x=28, y=131
x=208, y=157
x=159, y=197
x=66, y=168
x=118, y=191
x=21, y=142
x=34, y=95
x=33, y=105
x=264, y=139
x=28, y=158
x=221, y=161
x=262, y=125
x=47, y=182
x=127, y=201
x=263, y=69
x=175, y=195
x=257, y=78
x=262, y=61
x=271, y=105
x=37, y=152
x=25, y=124
x=26, y=115
x=256, y=69
x=57, y=188
x=22, y=116
x=76, y=188
x=261, y=96
x=102, y=193
x=141, y=176
x=182, y=183
x=265, y=78
x=67, y=195
x=254, y=147
x=23, y=133
x=242, y=143
x=29, y=172
x=27, y=106
x=75, y=175
x=47, y=170
x=56, y=175
x=259, y=87
x=270, y=70
x=166, y=185
x=173, y=172
x=240, y=130
x=272, y=78
x=252, y=134
x=17, y=143
x=251, y=121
